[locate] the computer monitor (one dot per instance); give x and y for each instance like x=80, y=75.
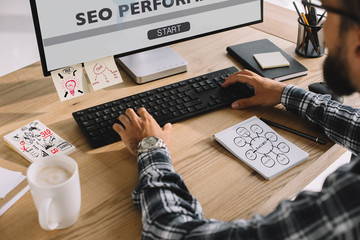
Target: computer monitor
x=76, y=31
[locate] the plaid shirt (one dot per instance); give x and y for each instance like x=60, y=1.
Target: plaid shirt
x=169, y=211
x=340, y=123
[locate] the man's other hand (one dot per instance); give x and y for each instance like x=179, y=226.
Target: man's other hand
x=267, y=92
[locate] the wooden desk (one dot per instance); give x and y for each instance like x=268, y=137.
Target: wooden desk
x=226, y=188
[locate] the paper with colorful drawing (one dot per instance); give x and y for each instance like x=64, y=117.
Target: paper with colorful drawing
x=103, y=73
x=70, y=82
x=35, y=140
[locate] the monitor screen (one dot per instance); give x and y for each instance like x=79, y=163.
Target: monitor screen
x=71, y=32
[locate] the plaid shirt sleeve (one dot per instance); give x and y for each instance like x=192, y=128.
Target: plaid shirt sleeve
x=340, y=123
x=169, y=211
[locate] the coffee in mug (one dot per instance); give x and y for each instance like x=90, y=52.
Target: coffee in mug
x=55, y=188
x=50, y=176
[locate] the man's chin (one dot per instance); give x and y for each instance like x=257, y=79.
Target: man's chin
x=336, y=76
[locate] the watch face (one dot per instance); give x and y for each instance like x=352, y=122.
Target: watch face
x=149, y=142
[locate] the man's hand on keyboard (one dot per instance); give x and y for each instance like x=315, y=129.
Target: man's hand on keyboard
x=267, y=92
x=138, y=126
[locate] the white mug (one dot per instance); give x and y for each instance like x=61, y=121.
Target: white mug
x=55, y=188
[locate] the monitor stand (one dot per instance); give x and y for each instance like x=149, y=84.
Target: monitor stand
x=153, y=64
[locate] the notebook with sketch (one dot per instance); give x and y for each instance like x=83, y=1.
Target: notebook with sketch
x=260, y=147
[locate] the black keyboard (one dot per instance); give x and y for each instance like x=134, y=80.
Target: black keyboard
x=170, y=103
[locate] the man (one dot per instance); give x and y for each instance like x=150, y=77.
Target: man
x=169, y=211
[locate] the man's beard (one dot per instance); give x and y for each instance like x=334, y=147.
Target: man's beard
x=336, y=74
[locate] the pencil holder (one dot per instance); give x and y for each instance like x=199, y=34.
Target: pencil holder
x=310, y=41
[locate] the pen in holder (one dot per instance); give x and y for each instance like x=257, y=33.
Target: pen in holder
x=310, y=41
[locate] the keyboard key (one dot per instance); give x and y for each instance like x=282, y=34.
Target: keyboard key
x=88, y=123
x=192, y=103
x=179, y=107
x=201, y=106
x=184, y=111
x=199, y=89
x=176, y=114
x=191, y=109
x=94, y=133
x=98, y=120
x=184, y=89
x=79, y=114
x=92, y=128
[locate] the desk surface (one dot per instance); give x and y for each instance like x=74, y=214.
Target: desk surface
x=226, y=188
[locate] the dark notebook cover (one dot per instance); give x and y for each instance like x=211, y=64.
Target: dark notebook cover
x=244, y=54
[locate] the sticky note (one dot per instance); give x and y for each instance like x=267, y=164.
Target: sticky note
x=103, y=72
x=271, y=60
x=70, y=82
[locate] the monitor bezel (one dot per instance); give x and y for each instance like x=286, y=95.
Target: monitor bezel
x=46, y=72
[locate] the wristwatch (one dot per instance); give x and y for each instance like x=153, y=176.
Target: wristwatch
x=149, y=143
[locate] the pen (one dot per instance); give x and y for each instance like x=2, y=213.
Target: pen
x=315, y=139
x=306, y=9
x=321, y=17
x=298, y=12
x=312, y=36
